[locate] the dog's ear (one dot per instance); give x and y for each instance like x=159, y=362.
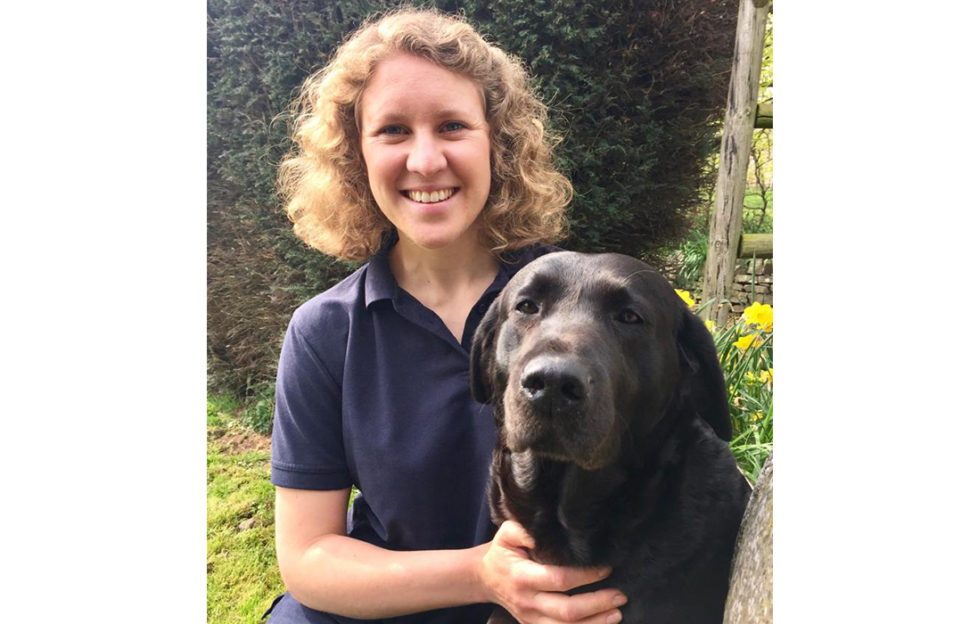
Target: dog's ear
x=481, y=360
x=708, y=388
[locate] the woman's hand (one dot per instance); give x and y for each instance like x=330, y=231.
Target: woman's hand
x=533, y=593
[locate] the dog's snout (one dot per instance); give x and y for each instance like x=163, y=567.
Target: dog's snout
x=554, y=383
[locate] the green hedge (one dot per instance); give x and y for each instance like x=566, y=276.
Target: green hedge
x=635, y=88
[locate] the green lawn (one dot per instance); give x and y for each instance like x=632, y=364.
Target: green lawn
x=242, y=576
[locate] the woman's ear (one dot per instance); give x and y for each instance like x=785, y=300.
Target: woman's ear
x=708, y=388
x=481, y=360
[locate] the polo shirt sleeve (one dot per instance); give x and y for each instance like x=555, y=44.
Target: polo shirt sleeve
x=307, y=434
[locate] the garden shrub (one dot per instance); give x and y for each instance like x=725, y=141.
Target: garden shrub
x=635, y=90
x=258, y=272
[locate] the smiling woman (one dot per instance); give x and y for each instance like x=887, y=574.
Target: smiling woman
x=421, y=147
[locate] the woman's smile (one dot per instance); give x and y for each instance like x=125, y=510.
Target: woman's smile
x=426, y=197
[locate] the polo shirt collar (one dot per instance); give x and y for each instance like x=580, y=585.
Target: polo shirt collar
x=380, y=282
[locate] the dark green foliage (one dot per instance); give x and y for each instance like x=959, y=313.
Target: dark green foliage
x=258, y=271
x=634, y=89
x=692, y=253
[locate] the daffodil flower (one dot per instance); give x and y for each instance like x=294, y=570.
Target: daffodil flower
x=759, y=315
x=746, y=341
x=685, y=296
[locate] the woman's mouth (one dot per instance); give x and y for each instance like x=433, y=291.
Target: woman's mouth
x=429, y=197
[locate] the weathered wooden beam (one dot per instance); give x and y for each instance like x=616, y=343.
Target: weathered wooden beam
x=756, y=246
x=738, y=129
x=764, y=118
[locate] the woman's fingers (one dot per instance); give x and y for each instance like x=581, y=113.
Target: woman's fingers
x=534, y=593
x=512, y=534
x=561, y=579
x=600, y=607
x=513, y=537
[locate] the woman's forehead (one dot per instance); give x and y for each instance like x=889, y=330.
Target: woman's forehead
x=403, y=83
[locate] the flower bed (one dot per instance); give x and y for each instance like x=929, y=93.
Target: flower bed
x=745, y=347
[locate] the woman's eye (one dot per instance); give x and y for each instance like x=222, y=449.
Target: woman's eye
x=453, y=126
x=629, y=317
x=527, y=307
x=391, y=130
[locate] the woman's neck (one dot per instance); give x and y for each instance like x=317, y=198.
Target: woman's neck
x=448, y=281
x=446, y=268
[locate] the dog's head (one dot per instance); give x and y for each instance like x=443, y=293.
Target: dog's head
x=583, y=355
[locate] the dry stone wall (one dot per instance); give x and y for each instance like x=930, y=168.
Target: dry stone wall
x=753, y=281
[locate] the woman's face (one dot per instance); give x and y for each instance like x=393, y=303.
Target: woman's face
x=425, y=141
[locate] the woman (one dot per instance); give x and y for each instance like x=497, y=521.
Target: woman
x=421, y=148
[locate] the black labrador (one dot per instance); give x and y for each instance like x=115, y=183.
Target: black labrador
x=612, y=415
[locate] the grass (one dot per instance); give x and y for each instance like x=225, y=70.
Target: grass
x=753, y=224
x=242, y=575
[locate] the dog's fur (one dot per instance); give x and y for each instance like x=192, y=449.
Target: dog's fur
x=612, y=415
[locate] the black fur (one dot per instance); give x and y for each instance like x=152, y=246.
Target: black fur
x=612, y=416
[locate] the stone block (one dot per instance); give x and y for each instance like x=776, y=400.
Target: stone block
x=750, y=599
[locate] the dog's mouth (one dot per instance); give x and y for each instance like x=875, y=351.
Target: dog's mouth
x=584, y=437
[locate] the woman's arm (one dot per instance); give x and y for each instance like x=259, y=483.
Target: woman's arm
x=328, y=571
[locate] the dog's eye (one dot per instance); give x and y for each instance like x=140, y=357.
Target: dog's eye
x=629, y=316
x=527, y=307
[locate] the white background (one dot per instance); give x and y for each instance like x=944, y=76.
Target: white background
x=104, y=301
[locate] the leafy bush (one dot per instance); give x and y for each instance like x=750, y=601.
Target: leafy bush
x=260, y=410
x=637, y=90
x=258, y=272
x=692, y=259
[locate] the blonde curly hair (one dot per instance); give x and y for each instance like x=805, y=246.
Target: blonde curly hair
x=324, y=178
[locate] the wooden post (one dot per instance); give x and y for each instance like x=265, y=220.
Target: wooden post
x=738, y=129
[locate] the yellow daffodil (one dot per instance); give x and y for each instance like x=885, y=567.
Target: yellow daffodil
x=710, y=324
x=760, y=315
x=765, y=376
x=757, y=416
x=746, y=341
x=685, y=296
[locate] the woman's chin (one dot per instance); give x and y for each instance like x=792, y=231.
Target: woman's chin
x=437, y=239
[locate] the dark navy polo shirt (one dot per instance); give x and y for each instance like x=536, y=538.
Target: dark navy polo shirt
x=373, y=391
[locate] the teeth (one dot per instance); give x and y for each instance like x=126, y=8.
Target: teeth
x=434, y=196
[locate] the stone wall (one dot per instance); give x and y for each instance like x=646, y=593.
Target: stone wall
x=753, y=281
x=759, y=272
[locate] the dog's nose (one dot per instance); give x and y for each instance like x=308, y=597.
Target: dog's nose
x=554, y=383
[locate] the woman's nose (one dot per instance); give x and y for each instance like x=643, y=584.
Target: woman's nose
x=426, y=156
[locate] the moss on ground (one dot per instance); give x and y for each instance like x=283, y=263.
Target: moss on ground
x=242, y=575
